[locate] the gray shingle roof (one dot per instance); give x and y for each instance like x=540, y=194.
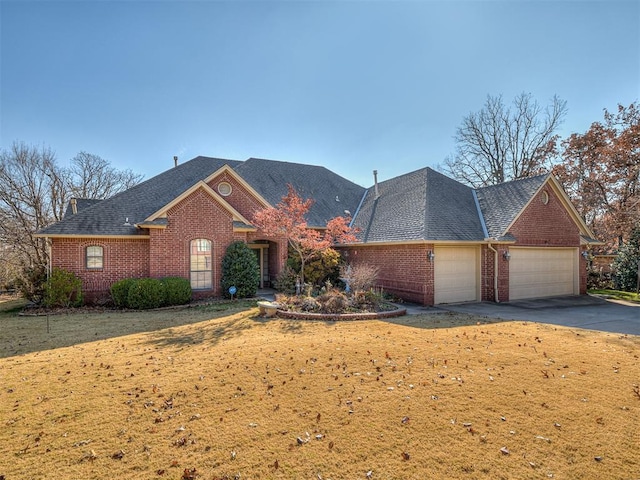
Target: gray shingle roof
x=119, y=214
x=109, y=217
x=81, y=204
x=421, y=205
x=500, y=204
x=331, y=193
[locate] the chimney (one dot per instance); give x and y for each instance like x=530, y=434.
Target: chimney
x=175, y=161
x=74, y=206
x=375, y=183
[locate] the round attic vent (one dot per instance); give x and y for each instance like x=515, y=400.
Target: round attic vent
x=224, y=189
x=545, y=197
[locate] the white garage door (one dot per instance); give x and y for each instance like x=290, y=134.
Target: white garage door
x=456, y=274
x=542, y=272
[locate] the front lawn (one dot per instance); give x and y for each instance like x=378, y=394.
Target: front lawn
x=617, y=295
x=200, y=393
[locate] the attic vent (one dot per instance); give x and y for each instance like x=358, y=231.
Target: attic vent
x=545, y=197
x=224, y=189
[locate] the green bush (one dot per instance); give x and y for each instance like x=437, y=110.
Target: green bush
x=286, y=281
x=62, y=289
x=146, y=293
x=240, y=269
x=177, y=290
x=625, y=265
x=120, y=292
x=323, y=267
x=32, y=283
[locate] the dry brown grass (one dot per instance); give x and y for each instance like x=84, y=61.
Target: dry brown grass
x=237, y=396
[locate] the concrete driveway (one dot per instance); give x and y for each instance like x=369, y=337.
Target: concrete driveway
x=583, y=311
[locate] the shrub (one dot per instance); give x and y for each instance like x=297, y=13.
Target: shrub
x=368, y=300
x=323, y=267
x=359, y=277
x=286, y=281
x=240, y=269
x=146, y=293
x=32, y=283
x=598, y=280
x=333, y=302
x=62, y=289
x=626, y=263
x=120, y=292
x=177, y=290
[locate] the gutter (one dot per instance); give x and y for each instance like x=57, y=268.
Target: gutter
x=495, y=271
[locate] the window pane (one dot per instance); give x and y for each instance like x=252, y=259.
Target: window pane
x=94, y=256
x=94, y=262
x=200, y=264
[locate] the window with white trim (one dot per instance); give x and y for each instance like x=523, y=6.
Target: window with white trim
x=94, y=257
x=200, y=261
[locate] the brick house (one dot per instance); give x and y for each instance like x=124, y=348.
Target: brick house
x=434, y=239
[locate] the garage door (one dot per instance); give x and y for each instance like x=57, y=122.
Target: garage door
x=456, y=274
x=542, y=272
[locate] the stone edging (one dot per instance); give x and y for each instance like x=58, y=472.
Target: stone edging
x=340, y=316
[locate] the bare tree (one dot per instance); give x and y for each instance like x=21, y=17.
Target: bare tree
x=34, y=192
x=31, y=196
x=91, y=176
x=499, y=144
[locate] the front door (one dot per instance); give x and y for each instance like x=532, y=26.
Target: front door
x=262, y=257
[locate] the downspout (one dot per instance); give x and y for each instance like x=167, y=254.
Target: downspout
x=495, y=252
x=495, y=272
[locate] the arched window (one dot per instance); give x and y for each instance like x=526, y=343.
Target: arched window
x=94, y=257
x=201, y=277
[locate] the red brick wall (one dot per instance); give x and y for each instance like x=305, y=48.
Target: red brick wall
x=123, y=258
x=546, y=225
x=487, y=286
x=240, y=198
x=197, y=216
x=404, y=269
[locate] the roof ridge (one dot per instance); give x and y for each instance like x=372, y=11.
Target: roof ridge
x=515, y=180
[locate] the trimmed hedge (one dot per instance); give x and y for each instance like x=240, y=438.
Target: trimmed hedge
x=120, y=292
x=146, y=293
x=177, y=290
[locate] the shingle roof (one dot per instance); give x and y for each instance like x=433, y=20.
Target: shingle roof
x=500, y=204
x=119, y=214
x=421, y=205
x=81, y=204
x=331, y=193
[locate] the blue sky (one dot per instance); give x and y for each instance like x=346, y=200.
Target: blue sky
x=350, y=85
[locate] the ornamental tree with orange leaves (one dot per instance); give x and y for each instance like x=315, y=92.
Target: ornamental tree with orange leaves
x=287, y=219
x=601, y=174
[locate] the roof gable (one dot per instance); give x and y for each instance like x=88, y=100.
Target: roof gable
x=119, y=214
x=201, y=185
x=501, y=204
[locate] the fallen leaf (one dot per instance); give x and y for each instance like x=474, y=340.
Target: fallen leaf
x=118, y=455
